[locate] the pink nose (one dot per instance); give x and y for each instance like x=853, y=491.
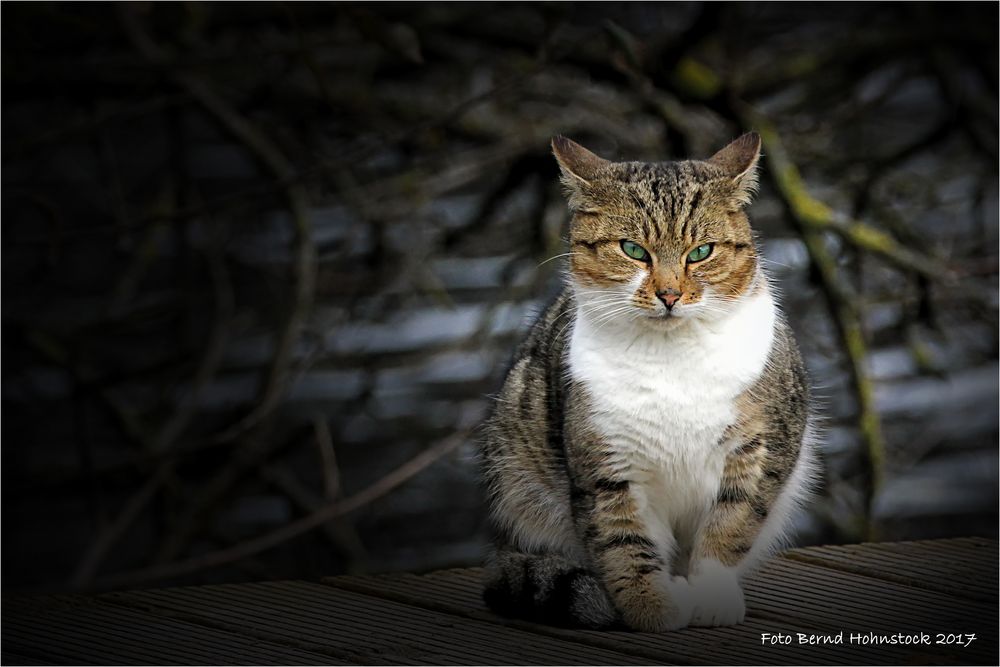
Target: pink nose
x=669, y=297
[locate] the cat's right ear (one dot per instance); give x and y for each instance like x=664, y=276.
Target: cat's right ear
x=579, y=169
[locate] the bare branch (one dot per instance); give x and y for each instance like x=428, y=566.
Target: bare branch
x=291, y=530
x=328, y=458
x=804, y=211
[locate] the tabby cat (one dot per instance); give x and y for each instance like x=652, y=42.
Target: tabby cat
x=650, y=441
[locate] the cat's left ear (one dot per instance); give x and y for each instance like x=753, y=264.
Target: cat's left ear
x=576, y=163
x=738, y=162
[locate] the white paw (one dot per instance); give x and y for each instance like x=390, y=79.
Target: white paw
x=716, y=595
x=681, y=602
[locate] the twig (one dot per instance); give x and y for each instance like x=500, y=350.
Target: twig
x=211, y=361
x=328, y=458
x=816, y=216
x=253, y=451
x=116, y=530
x=879, y=166
x=340, y=534
x=289, y=531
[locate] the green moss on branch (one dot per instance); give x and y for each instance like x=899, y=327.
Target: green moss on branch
x=813, y=214
x=811, y=218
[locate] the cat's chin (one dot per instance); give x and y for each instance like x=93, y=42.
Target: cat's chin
x=672, y=321
x=663, y=321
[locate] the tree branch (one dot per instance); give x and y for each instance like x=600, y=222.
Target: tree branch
x=290, y=531
x=804, y=212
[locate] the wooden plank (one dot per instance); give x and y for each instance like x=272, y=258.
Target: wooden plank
x=312, y=633
x=440, y=618
x=366, y=629
x=964, y=567
x=761, y=619
x=691, y=646
x=785, y=596
x=71, y=630
x=460, y=592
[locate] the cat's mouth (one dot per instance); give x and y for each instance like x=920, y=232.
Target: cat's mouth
x=669, y=317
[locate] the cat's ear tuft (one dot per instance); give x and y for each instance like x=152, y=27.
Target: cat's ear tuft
x=575, y=161
x=738, y=161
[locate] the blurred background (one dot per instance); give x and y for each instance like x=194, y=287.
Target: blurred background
x=265, y=263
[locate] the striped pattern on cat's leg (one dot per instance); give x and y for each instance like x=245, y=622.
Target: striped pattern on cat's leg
x=742, y=504
x=766, y=474
x=633, y=566
x=632, y=562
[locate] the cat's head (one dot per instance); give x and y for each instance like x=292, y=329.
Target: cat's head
x=667, y=242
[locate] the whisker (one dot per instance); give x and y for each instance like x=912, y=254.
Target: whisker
x=565, y=254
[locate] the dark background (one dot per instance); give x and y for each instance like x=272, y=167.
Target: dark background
x=264, y=263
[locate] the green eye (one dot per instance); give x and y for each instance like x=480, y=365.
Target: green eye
x=699, y=253
x=635, y=251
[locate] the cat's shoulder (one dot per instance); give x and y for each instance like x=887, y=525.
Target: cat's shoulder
x=543, y=345
x=551, y=326
x=784, y=379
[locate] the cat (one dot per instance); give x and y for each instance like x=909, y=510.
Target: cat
x=652, y=436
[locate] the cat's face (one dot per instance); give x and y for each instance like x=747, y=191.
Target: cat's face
x=665, y=242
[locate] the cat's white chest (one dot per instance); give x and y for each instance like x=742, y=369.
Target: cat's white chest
x=663, y=400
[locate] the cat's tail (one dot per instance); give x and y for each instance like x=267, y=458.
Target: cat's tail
x=547, y=588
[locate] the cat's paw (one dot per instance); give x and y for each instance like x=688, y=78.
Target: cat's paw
x=682, y=603
x=716, y=595
x=666, y=607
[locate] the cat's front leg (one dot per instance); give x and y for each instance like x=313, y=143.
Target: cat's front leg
x=631, y=558
x=752, y=479
x=727, y=537
x=634, y=567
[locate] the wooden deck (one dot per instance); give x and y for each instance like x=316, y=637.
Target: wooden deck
x=929, y=587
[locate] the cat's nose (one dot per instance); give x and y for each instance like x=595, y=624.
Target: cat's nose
x=668, y=296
